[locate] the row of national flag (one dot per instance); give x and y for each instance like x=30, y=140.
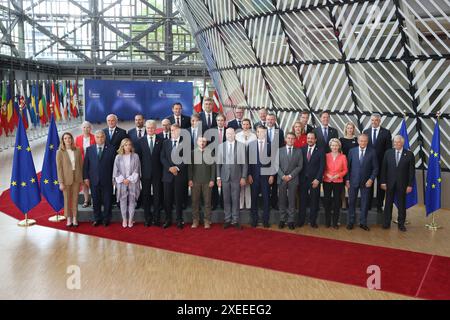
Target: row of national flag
x=198, y=101
x=26, y=193
x=35, y=102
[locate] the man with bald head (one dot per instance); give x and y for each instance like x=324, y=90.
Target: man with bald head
x=397, y=179
x=114, y=134
x=165, y=133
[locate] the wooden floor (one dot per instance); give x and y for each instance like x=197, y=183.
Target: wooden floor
x=34, y=264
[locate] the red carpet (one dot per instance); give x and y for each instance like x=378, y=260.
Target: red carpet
x=404, y=272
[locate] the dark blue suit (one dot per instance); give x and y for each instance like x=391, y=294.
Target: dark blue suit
x=116, y=139
x=133, y=135
x=205, y=121
x=312, y=170
x=99, y=172
x=359, y=172
x=234, y=124
x=260, y=180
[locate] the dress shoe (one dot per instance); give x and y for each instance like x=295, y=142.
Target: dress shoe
x=106, y=223
x=281, y=225
x=364, y=227
x=194, y=225
x=156, y=223
x=226, y=225
x=402, y=228
x=166, y=225
x=147, y=224
x=291, y=225
x=328, y=226
x=335, y=226
x=180, y=225
x=386, y=226
x=350, y=226
x=254, y=224
x=266, y=225
x=95, y=223
x=237, y=226
x=314, y=225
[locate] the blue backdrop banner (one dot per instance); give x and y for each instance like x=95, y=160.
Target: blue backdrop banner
x=126, y=98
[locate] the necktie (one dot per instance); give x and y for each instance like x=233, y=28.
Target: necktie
x=270, y=135
x=111, y=132
x=325, y=134
x=230, y=153
x=178, y=121
x=397, y=159
x=140, y=133
x=239, y=123
x=374, y=136
x=308, y=156
x=174, y=144
x=361, y=156
x=209, y=120
x=220, y=136
x=151, y=145
x=99, y=152
x=260, y=147
x=289, y=152
x=194, y=136
x=165, y=135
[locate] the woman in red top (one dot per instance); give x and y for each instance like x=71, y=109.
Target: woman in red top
x=333, y=182
x=83, y=141
x=300, y=134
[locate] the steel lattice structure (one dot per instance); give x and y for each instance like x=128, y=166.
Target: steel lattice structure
x=350, y=57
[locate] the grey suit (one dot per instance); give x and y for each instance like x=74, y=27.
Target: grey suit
x=288, y=165
x=231, y=171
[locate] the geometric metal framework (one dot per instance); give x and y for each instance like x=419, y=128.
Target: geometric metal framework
x=350, y=57
x=96, y=32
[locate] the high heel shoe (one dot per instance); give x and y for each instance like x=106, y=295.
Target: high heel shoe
x=124, y=224
x=69, y=223
x=75, y=223
x=86, y=204
x=130, y=224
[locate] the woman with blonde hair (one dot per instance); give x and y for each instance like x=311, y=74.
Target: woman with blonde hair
x=126, y=175
x=333, y=182
x=83, y=141
x=69, y=166
x=349, y=140
x=300, y=134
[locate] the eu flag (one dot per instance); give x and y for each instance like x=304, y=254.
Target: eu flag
x=433, y=186
x=24, y=183
x=49, y=175
x=411, y=198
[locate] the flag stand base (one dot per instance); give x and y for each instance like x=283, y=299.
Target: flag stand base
x=433, y=225
x=57, y=218
x=26, y=222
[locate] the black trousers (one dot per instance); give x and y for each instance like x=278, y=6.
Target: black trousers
x=174, y=192
x=102, y=195
x=379, y=199
x=216, y=198
x=332, y=200
x=151, y=216
x=274, y=195
x=308, y=197
x=392, y=192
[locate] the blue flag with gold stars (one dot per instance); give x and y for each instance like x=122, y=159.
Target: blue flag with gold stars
x=433, y=186
x=24, y=183
x=49, y=174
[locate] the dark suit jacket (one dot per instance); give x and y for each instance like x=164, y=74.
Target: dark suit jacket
x=358, y=173
x=167, y=162
x=257, y=124
x=402, y=175
x=234, y=124
x=255, y=164
x=118, y=136
x=132, y=134
x=383, y=143
x=280, y=136
x=321, y=143
x=199, y=133
x=151, y=167
x=309, y=128
x=224, y=136
x=185, y=121
x=99, y=171
x=312, y=169
x=205, y=122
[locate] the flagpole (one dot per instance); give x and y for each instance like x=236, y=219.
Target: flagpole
x=434, y=225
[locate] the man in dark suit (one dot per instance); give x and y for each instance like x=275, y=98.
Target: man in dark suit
x=324, y=132
x=195, y=130
x=310, y=179
x=220, y=133
x=380, y=139
x=275, y=136
x=174, y=177
x=290, y=165
x=114, y=134
x=261, y=175
x=151, y=172
x=236, y=123
x=178, y=118
x=397, y=179
x=362, y=171
x=208, y=117
x=165, y=133
x=97, y=174
x=304, y=118
x=139, y=131
x=262, y=113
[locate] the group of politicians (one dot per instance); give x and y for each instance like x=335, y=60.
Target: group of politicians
x=235, y=165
